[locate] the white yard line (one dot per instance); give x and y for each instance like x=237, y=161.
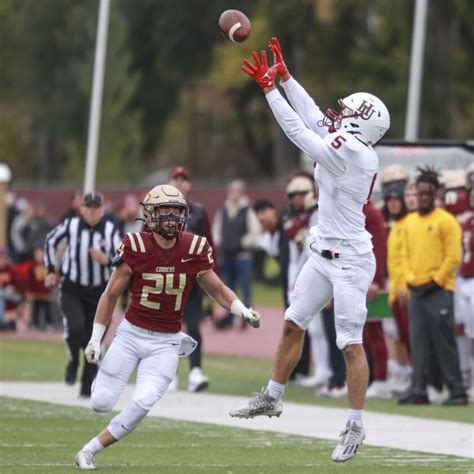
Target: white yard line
x=391, y=431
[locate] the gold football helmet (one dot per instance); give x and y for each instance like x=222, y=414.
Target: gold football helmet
x=303, y=185
x=165, y=196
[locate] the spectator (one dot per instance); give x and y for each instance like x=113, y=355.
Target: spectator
x=129, y=216
x=411, y=197
x=75, y=208
x=12, y=212
x=431, y=255
x=435, y=377
x=296, y=221
x=455, y=195
x=270, y=240
x=40, y=296
x=374, y=336
x=18, y=229
x=235, y=231
x=394, y=176
x=85, y=270
x=464, y=295
x=396, y=211
x=455, y=199
x=198, y=223
x=9, y=295
x=36, y=229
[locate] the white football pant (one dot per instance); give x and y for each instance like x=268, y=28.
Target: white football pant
x=154, y=354
x=347, y=279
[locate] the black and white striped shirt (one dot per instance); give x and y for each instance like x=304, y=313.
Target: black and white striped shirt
x=77, y=266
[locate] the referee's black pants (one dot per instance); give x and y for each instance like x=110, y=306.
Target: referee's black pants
x=78, y=308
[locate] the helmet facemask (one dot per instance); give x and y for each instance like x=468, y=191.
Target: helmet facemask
x=170, y=224
x=333, y=119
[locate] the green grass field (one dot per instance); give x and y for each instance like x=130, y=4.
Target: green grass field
x=43, y=438
x=45, y=361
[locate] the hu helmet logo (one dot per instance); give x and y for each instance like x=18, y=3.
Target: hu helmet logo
x=366, y=110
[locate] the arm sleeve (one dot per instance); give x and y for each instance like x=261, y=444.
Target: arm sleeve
x=305, y=139
x=52, y=240
x=451, y=235
x=304, y=106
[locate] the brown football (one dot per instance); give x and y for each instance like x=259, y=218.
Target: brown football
x=235, y=26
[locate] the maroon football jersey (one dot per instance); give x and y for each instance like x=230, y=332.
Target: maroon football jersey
x=467, y=263
x=162, y=279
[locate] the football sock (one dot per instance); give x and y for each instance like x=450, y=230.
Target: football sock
x=405, y=370
x=275, y=390
x=94, y=446
x=355, y=415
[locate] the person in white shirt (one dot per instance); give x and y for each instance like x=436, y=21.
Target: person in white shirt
x=342, y=264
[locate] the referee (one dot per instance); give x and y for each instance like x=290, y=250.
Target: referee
x=83, y=274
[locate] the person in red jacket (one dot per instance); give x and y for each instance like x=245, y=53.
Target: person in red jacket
x=41, y=297
x=10, y=298
x=374, y=337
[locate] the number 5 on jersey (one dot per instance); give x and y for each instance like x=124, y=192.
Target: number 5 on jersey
x=338, y=141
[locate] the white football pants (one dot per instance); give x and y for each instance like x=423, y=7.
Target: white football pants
x=154, y=354
x=347, y=279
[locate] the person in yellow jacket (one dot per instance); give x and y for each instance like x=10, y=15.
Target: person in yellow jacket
x=431, y=254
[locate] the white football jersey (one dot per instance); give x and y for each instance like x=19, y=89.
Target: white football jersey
x=345, y=172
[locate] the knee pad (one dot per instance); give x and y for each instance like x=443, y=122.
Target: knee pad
x=127, y=420
x=147, y=395
x=347, y=338
x=300, y=321
x=102, y=399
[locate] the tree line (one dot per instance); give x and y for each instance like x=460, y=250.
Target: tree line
x=174, y=91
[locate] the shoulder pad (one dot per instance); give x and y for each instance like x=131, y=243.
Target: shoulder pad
x=353, y=143
x=135, y=242
x=196, y=244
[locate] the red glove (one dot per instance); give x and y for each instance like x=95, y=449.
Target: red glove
x=264, y=75
x=278, y=60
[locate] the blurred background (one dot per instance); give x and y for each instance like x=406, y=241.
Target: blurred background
x=174, y=92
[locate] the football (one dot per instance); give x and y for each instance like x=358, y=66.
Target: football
x=235, y=26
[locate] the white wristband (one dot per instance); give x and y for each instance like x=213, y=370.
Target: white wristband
x=238, y=308
x=98, y=332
